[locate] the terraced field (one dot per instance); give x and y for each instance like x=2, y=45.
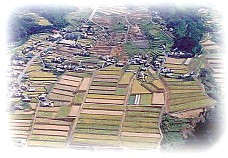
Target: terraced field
x=185, y=95
x=106, y=120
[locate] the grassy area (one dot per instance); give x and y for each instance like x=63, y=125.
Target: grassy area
x=103, y=122
x=137, y=88
x=46, y=143
x=146, y=99
x=100, y=117
x=46, y=137
x=96, y=141
x=100, y=96
x=185, y=95
x=121, y=91
x=95, y=136
x=104, y=107
x=20, y=117
x=97, y=126
x=96, y=131
x=185, y=100
x=192, y=105
x=43, y=79
x=119, y=73
x=140, y=119
x=63, y=111
x=44, y=114
x=140, y=124
x=142, y=114
x=130, y=49
x=78, y=98
x=33, y=68
x=180, y=87
x=140, y=139
x=144, y=108
x=180, y=91
x=131, y=99
x=98, y=83
x=143, y=130
x=41, y=74
x=126, y=78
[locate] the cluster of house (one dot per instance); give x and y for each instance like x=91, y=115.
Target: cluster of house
x=175, y=53
x=139, y=59
x=169, y=73
x=157, y=62
x=19, y=93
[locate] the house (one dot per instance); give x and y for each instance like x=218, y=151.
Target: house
x=42, y=97
x=46, y=104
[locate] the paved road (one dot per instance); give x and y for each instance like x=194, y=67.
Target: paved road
x=26, y=68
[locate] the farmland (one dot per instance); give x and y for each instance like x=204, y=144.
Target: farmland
x=107, y=79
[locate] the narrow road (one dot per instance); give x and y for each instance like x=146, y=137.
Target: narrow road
x=91, y=18
x=26, y=68
x=71, y=131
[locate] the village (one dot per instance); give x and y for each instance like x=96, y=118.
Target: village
x=102, y=83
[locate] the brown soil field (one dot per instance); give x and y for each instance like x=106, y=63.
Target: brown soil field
x=149, y=135
x=59, y=97
x=212, y=47
x=188, y=114
x=21, y=136
x=57, y=91
x=105, y=80
x=19, y=124
x=103, y=88
x=158, y=98
x=107, y=76
x=51, y=127
x=104, y=101
x=19, y=128
x=101, y=92
x=74, y=111
x=49, y=132
x=174, y=61
x=64, y=87
x=53, y=109
x=72, y=78
x=21, y=121
x=85, y=84
x=102, y=112
x=18, y=132
x=68, y=82
x=51, y=121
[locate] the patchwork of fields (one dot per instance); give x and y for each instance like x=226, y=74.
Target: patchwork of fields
x=184, y=95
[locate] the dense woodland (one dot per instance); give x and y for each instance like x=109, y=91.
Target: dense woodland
x=187, y=24
x=21, y=27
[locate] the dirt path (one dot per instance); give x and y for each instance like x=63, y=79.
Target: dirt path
x=125, y=104
x=72, y=128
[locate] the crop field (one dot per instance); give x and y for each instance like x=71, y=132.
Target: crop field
x=140, y=122
x=137, y=88
x=185, y=95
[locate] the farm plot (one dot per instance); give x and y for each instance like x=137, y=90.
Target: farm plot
x=100, y=118
x=50, y=131
x=64, y=89
x=140, y=126
x=98, y=125
x=186, y=95
x=20, y=124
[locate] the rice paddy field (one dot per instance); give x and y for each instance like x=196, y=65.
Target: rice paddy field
x=185, y=95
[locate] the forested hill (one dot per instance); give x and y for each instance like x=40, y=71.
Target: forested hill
x=188, y=26
x=31, y=20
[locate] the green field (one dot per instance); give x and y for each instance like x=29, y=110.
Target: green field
x=63, y=111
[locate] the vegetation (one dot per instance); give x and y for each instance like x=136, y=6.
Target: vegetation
x=21, y=27
x=79, y=97
x=63, y=111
